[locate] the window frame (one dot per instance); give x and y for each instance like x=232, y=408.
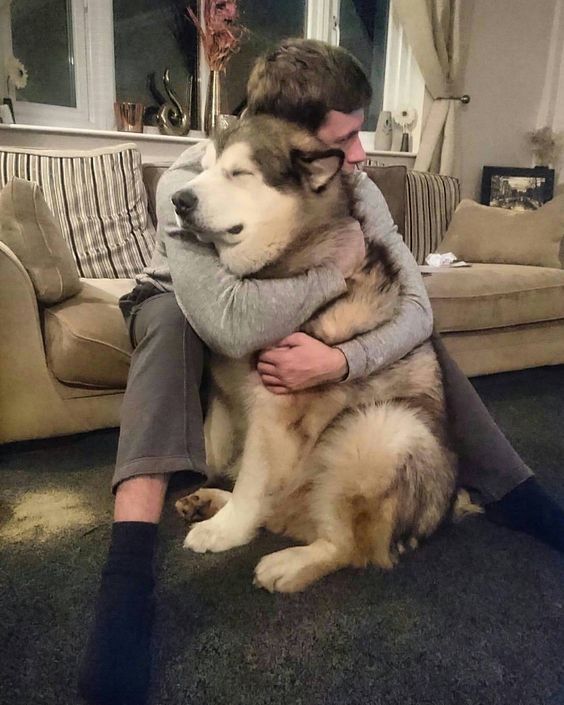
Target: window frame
x=93, y=42
x=93, y=54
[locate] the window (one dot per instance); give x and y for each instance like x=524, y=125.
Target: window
x=50, y=62
x=103, y=50
x=145, y=45
x=363, y=26
x=268, y=23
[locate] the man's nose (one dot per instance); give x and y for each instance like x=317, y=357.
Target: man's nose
x=356, y=152
x=184, y=201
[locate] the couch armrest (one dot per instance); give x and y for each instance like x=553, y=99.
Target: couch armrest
x=30, y=405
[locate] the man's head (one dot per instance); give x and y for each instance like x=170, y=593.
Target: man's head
x=318, y=86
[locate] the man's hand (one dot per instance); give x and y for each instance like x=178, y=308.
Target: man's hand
x=300, y=362
x=352, y=250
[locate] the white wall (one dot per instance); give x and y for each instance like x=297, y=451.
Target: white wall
x=506, y=73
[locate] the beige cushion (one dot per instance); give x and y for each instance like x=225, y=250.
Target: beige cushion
x=486, y=296
x=99, y=200
x=86, y=338
x=30, y=230
x=496, y=235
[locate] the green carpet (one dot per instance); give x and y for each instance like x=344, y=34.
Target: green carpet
x=475, y=617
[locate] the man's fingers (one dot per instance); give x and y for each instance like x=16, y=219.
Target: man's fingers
x=270, y=380
x=266, y=368
x=292, y=340
x=271, y=356
x=277, y=390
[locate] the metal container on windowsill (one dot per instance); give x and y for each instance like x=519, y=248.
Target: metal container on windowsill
x=129, y=116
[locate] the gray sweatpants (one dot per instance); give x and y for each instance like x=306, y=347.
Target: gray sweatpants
x=162, y=418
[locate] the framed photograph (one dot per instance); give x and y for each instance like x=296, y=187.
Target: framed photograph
x=516, y=188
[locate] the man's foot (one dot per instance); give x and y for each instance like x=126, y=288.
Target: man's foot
x=115, y=669
x=529, y=508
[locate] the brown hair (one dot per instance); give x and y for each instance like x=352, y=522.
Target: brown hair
x=303, y=79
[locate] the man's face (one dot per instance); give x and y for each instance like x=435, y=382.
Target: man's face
x=342, y=130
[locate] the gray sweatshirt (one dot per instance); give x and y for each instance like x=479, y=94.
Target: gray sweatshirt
x=235, y=316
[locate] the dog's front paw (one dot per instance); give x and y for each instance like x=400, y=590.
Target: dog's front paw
x=285, y=571
x=220, y=533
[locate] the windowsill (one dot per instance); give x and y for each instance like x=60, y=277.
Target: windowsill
x=192, y=138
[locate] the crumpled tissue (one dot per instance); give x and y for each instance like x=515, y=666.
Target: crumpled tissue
x=446, y=259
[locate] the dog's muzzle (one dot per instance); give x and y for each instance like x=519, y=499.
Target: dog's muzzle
x=184, y=202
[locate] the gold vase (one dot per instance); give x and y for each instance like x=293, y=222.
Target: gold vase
x=213, y=102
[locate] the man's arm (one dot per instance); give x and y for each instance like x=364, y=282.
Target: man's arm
x=234, y=316
x=301, y=362
x=413, y=323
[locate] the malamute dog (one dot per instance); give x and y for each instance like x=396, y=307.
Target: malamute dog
x=354, y=471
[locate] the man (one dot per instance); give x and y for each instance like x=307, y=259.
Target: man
x=324, y=89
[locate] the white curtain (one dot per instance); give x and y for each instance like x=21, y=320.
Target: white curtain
x=433, y=30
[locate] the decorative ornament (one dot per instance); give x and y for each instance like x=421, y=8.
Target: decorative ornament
x=173, y=118
x=383, y=132
x=16, y=72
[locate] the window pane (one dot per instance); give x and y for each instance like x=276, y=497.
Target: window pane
x=364, y=29
x=144, y=43
x=42, y=41
x=268, y=23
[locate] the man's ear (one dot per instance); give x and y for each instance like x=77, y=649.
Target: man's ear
x=318, y=167
x=210, y=156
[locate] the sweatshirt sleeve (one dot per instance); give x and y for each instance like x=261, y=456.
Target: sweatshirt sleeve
x=413, y=322
x=235, y=316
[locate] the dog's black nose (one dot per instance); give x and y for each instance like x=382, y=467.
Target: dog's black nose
x=184, y=201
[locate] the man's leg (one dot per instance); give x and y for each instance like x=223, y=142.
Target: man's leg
x=161, y=432
x=489, y=464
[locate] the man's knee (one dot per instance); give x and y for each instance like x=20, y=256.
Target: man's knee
x=161, y=319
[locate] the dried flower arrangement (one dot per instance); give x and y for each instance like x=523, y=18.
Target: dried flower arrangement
x=546, y=145
x=220, y=33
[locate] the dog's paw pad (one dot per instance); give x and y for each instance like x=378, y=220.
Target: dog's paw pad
x=201, y=505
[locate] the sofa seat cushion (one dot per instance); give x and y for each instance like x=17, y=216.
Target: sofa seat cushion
x=86, y=338
x=486, y=296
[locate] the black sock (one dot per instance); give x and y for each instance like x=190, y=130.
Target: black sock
x=529, y=508
x=115, y=668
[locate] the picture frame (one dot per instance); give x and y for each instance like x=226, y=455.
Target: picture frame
x=516, y=188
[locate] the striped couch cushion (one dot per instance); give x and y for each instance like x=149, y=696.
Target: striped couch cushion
x=431, y=200
x=98, y=197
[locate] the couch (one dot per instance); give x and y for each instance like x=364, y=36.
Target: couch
x=64, y=366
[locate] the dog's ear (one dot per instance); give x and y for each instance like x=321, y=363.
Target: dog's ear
x=210, y=156
x=318, y=167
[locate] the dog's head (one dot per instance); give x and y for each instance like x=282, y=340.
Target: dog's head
x=265, y=182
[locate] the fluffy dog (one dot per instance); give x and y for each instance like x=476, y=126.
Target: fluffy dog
x=357, y=470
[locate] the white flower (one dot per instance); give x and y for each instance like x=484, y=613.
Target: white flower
x=405, y=118
x=17, y=74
